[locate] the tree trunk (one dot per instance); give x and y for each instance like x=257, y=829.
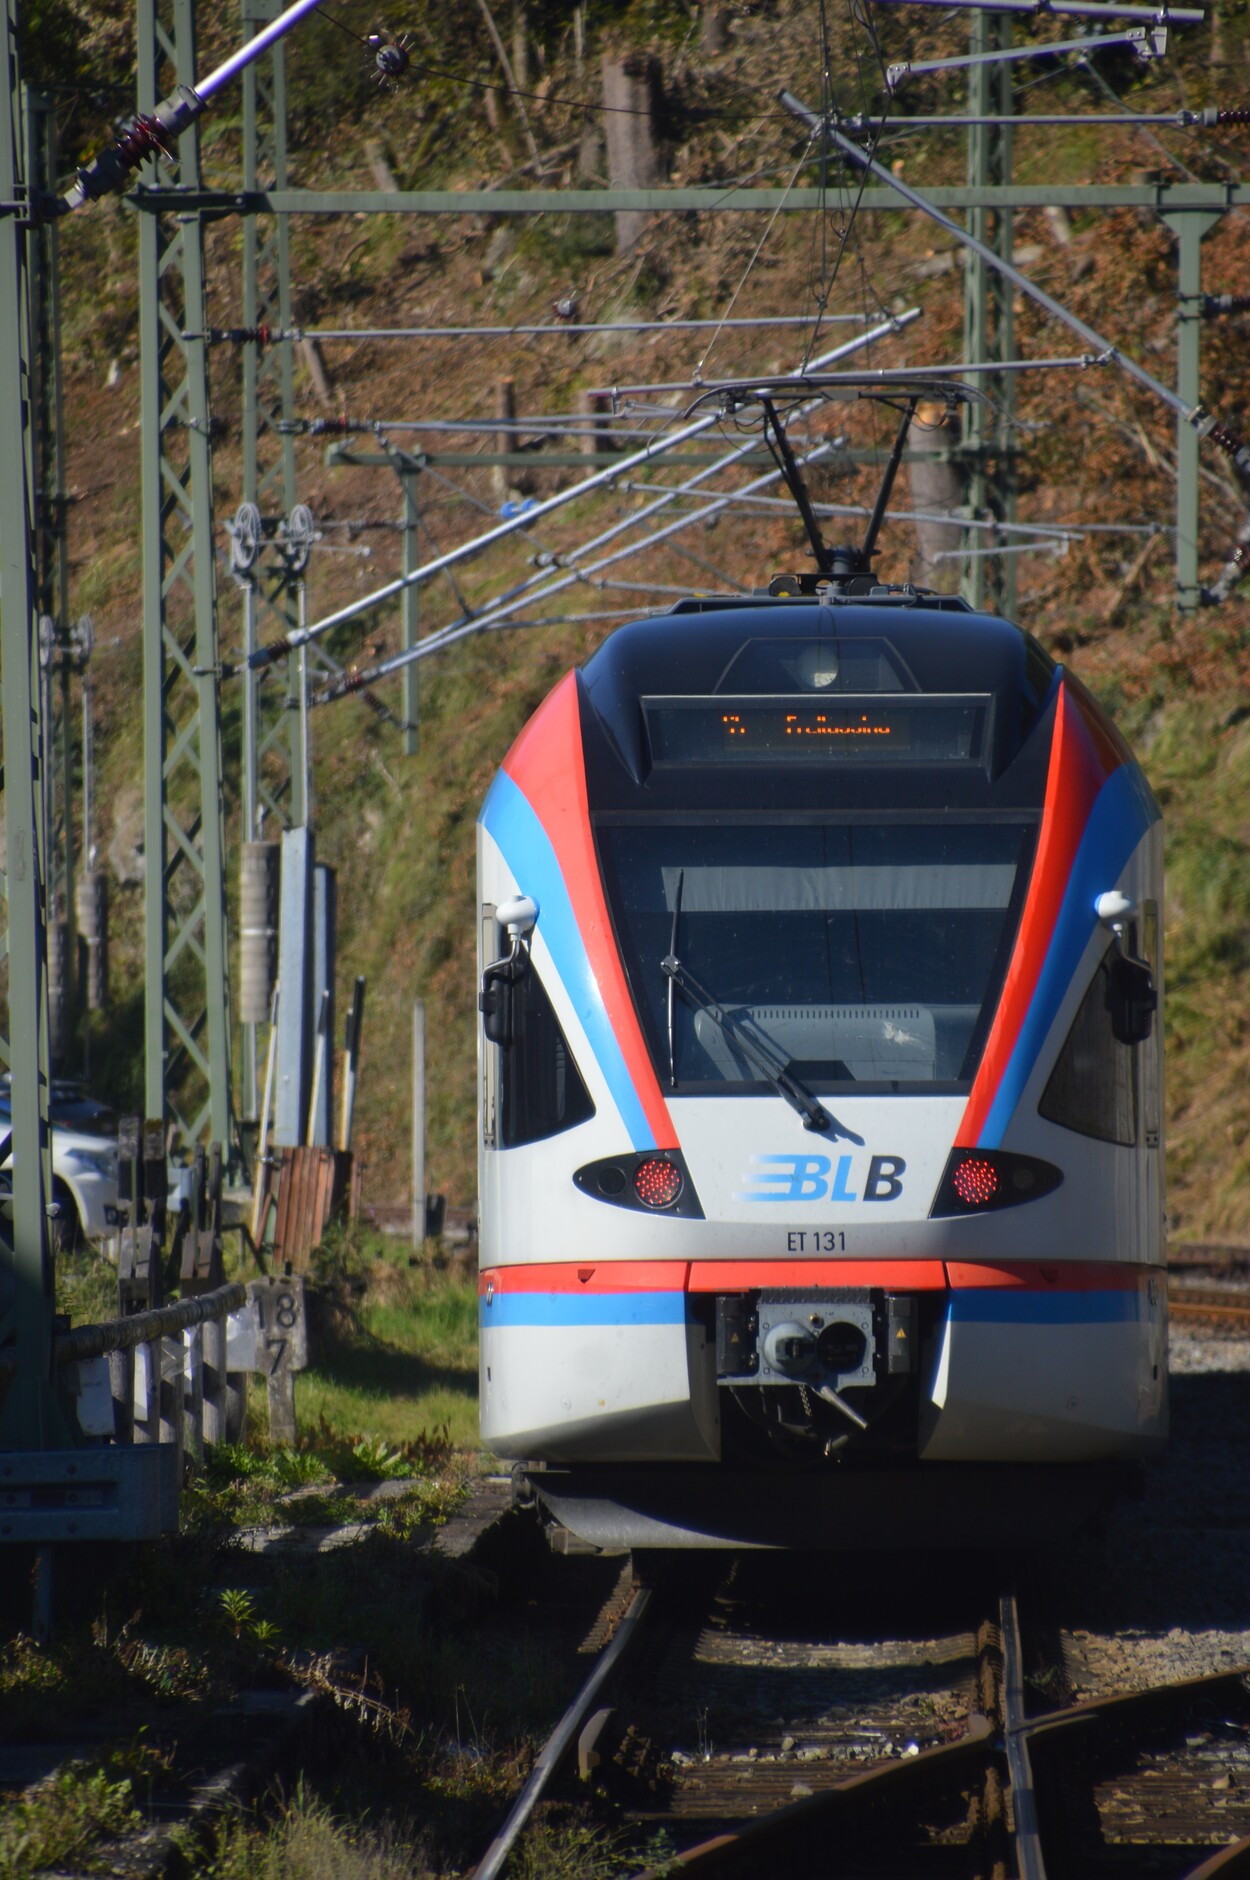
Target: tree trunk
x=631, y=120
x=937, y=490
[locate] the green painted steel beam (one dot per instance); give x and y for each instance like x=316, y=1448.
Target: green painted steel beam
x=704, y=199
x=1189, y=228
x=186, y=1025
x=273, y=776
x=29, y=1417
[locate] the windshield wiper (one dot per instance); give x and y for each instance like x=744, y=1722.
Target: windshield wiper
x=672, y=984
x=775, y=1069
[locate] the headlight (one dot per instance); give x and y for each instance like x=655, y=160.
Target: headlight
x=101, y=1161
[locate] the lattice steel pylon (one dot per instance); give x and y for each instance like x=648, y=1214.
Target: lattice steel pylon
x=186, y=1031
x=272, y=773
x=29, y=1416
x=57, y=648
x=989, y=322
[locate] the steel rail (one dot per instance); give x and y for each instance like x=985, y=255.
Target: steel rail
x=1026, y=1835
x=561, y=1738
x=1210, y=1302
x=798, y=1837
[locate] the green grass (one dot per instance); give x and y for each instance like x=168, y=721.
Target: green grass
x=398, y=1355
x=63, y=1819
x=86, y=1286
x=306, y=1841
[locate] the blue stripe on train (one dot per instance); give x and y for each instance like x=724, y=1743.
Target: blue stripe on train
x=968, y=1306
x=1123, y=812
x=526, y=847
x=582, y=1309
x=980, y=1305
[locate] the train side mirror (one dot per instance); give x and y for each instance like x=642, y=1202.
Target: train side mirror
x=1132, y=999
x=497, y=999
x=495, y=1003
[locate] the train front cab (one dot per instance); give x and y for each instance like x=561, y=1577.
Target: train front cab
x=702, y=1320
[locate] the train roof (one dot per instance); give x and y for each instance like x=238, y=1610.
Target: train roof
x=708, y=645
x=889, y=642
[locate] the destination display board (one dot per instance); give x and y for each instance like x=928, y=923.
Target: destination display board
x=868, y=729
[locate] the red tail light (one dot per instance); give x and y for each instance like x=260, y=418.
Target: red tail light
x=978, y=1181
x=657, y=1182
x=975, y=1181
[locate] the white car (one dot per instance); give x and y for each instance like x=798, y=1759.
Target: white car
x=84, y=1166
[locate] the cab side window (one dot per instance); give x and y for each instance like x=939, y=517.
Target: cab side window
x=1093, y=1088
x=541, y=1088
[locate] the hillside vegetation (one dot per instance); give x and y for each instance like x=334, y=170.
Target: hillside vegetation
x=1094, y=448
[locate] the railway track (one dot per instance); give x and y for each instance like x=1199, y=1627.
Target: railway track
x=1209, y=1285
x=939, y=1752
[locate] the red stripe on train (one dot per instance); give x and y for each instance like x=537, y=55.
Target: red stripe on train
x=1081, y=759
x=715, y=1276
x=547, y=766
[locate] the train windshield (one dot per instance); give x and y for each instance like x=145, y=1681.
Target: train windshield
x=865, y=953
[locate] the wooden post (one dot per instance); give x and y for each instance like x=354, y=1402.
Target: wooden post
x=595, y=439
x=193, y=1339
x=214, y=1380
x=631, y=98
x=505, y=408
x=937, y=490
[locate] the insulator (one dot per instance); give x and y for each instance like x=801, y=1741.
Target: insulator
x=258, y=937
x=1213, y=305
x=143, y=137
x=391, y=57
x=237, y=335
x=266, y=655
x=58, y=988
x=1239, y=115
x=1229, y=442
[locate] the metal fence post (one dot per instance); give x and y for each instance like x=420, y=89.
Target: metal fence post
x=418, y=1123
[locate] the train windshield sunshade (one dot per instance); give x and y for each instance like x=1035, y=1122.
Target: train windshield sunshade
x=857, y=953
x=851, y=729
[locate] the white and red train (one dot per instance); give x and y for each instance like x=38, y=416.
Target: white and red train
x=821, y=1169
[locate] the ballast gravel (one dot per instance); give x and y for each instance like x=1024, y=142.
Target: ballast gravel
x=1161, y=1592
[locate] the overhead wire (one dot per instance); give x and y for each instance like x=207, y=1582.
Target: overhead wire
x=586, y=106
x=746, y=273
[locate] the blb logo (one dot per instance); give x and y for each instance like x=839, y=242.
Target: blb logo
x=819, y=1178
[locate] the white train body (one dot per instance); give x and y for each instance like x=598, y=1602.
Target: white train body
x=822, y=1145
